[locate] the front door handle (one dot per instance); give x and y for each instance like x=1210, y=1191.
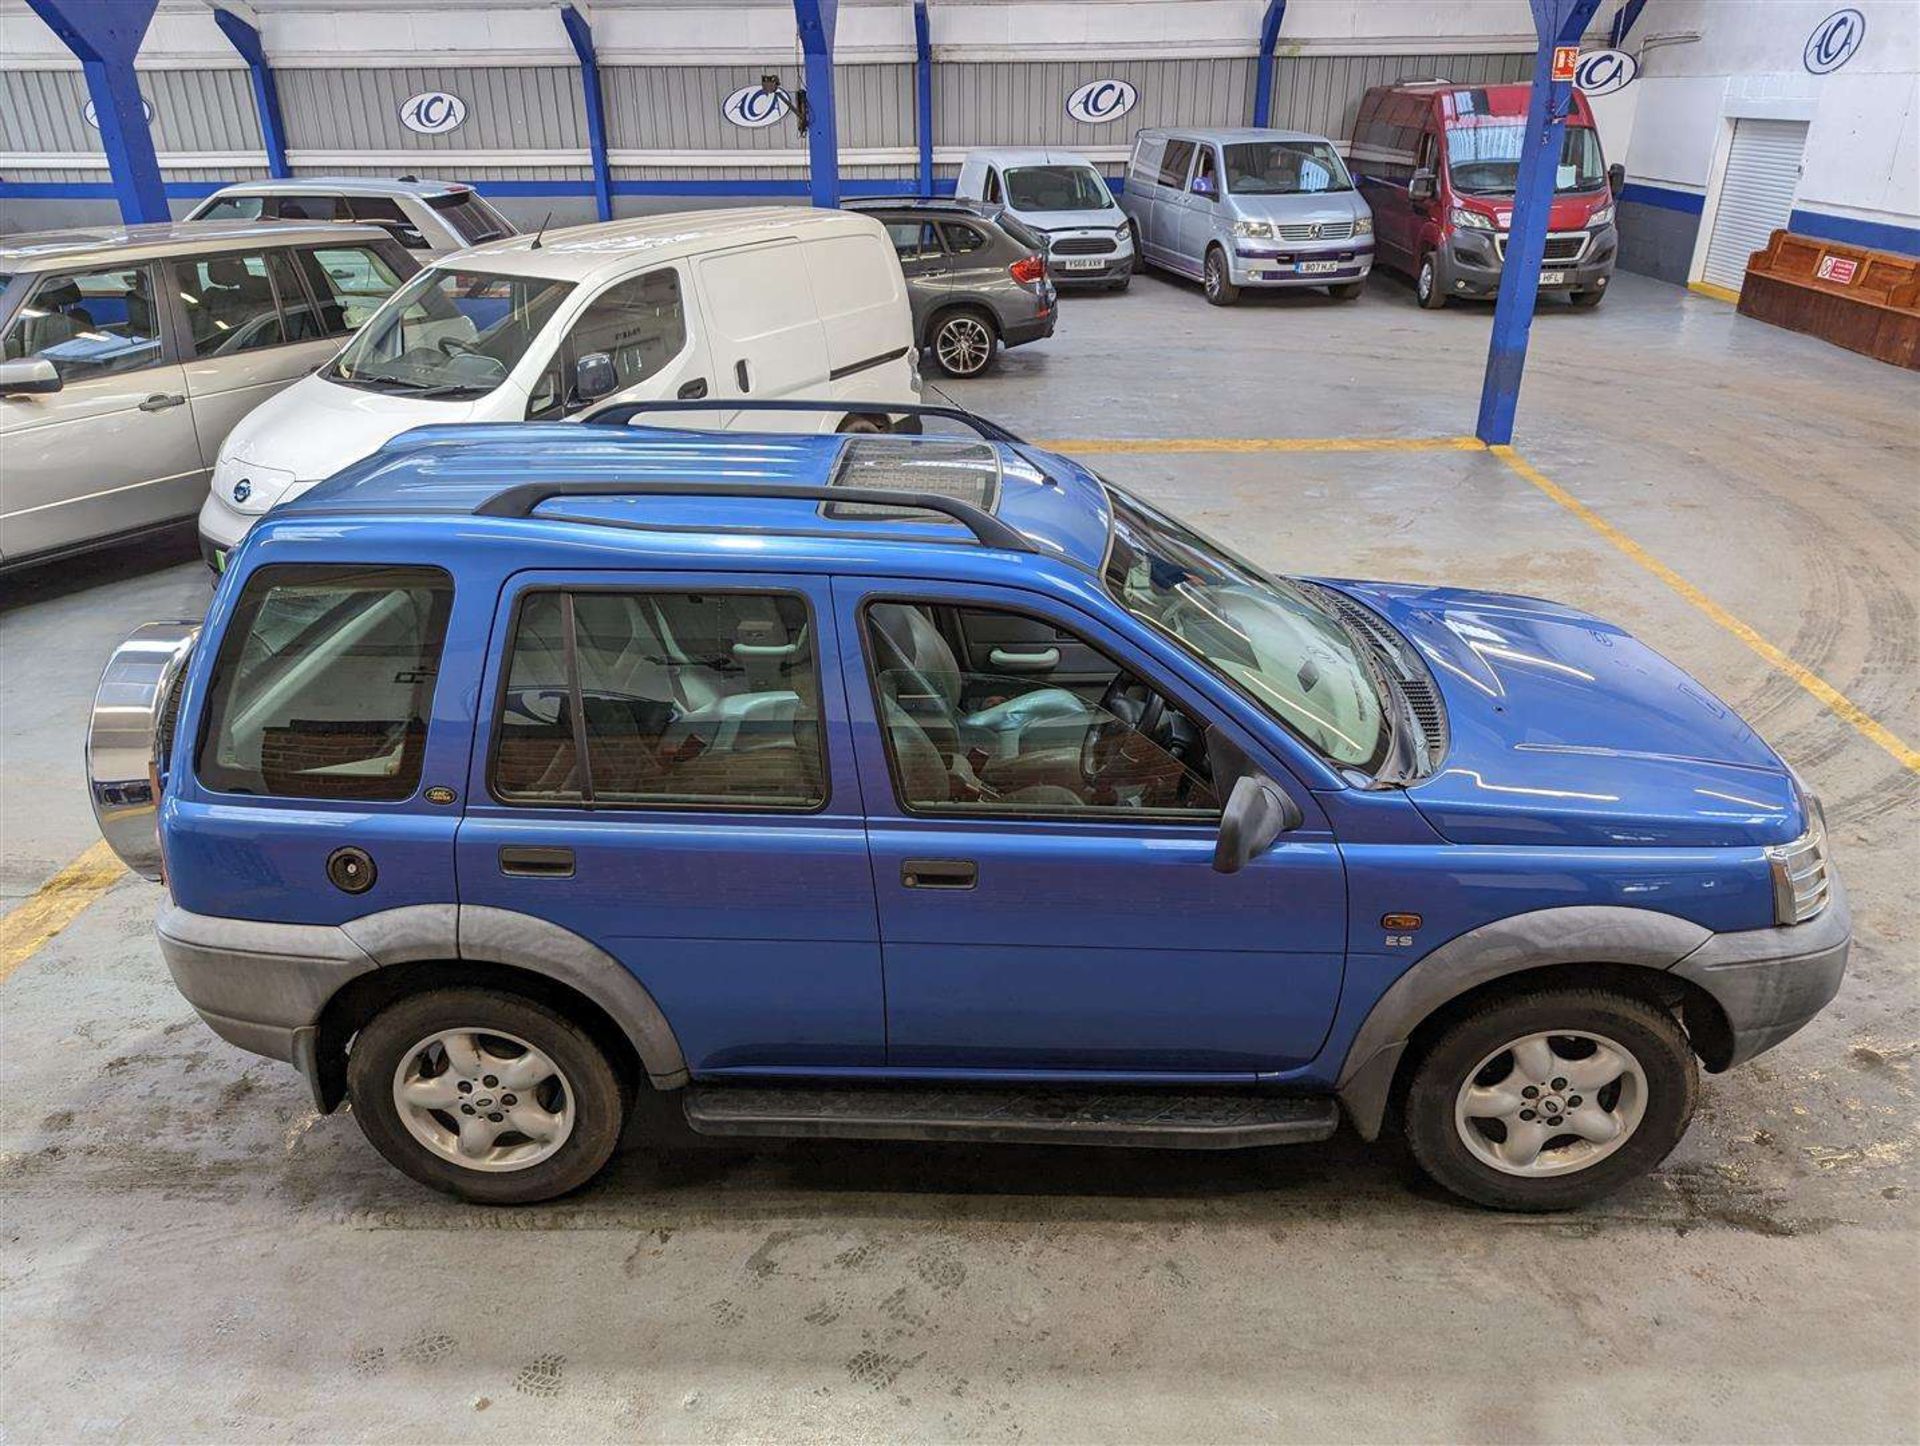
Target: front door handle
x=939, y=873
x=1036, y=662
x=529, y=861
x=160, y=401
x=743, y=376
x=692, y=391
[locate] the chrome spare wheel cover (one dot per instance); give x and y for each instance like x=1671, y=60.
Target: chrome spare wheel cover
x=964, y=345
x=1551, y=1103
x=128, y=735
x=484, y=1100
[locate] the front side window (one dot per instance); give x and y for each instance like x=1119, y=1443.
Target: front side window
x=230, y=303
x=638, y=325
x=350, y=281
x=1267, y=636
x=1206, y=174
x=1056, y=188
x=311, y=208
x=992, y=195
x=324, y=683
x=89, y=323
x=661, y=700
x=1484, y=160
x=449, y=333
x=1285, y=168
x=1010, y=738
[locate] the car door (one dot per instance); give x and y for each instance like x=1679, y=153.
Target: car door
x=1169, y=205
x=923, y=261
x=713, y=844
x=764, y=330
x=640, y=325
x=1043, y=869
x=1199, y=213
x=114, y=449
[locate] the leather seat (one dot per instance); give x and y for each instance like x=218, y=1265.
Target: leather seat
x=929, y=777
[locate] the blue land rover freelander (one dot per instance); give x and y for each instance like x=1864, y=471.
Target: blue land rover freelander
x=543, y=788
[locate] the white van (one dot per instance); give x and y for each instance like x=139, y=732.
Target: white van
x=1063, y=197
x=759, y=303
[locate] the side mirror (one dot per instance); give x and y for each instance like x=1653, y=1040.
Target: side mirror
x=1203, y=186
x=1616, y=178
x=594, y=377
x=1423, y=186
x=34, y=376
x=1258, y=811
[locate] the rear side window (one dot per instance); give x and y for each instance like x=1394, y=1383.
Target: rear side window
x=324, y=683
x=1174, y=165
x=471, y=218
x=961, y=238
x=913, y=240
x=385, y=211
x=230, y=303
x=675, y=700
x=349, y=281
x=311, y=208
x=231, y=208
x=1147, y=155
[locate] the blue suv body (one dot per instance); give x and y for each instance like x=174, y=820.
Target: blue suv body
x=543, y=785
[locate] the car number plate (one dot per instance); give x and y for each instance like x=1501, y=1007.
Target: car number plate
x=1080, y=263
x=1318, y=268
x=1553, y=278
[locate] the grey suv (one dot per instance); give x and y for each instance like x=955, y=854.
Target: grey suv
x=978, y=279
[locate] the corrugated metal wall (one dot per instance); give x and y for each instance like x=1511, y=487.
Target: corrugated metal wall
x=1024, y=103
x=677, y=107
x=509, y=107
x=193, y=110
x=1321, y=93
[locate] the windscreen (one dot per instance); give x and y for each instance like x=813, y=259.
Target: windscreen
x=1057, y=188
x=449, y=333
x=1267, y=636
x=1484, y=160
x=1284, y=168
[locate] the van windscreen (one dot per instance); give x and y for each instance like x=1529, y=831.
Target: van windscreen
x=1284, y=168
x=1056, y=188
x=1484, y=159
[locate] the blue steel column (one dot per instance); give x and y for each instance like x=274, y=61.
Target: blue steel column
x=816, y=21
x=1263, y=69
x=105, y=36
x=580, y=32
x=923, y=92
x=1623, y=22
x=1558, y=22
x=266, y=95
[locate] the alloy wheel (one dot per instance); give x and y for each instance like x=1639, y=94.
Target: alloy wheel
x=964, y=346
x=1551, y=1103
x=483, y=1100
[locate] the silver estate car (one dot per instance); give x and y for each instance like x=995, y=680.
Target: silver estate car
x=127, y=354
x=1235, y=208
x=434, y=217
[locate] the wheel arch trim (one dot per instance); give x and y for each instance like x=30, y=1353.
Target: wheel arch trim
x=1543, y=938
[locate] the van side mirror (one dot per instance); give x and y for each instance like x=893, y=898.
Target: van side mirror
x=33, y=376
x=1423, y=186
x=1258, y=811
x=1616, y=178
x=594, y=377
x=1203, y=186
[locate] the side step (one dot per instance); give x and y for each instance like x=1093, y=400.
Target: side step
x=1143, y=1118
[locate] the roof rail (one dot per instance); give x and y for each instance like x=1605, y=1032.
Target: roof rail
x=618, y=414
x=520, y=501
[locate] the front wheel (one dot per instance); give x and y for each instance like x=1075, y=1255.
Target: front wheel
x=1587, y=300
x=1219, y=281
x=1345, y=291
x=1426, y=286
x=963, y=345
x=485, y=1095
x=1551, y=1100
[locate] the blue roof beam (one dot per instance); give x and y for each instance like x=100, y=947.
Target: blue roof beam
x=580, y=33
x=105, y=36
x=245, y=39
x=816, y=20
x=923, y=92
x=1263, y=68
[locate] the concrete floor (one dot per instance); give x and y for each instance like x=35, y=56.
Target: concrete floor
x=188, y=1252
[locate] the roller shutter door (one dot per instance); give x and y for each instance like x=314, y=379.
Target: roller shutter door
x=1756, y=195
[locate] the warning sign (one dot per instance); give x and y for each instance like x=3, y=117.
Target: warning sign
x=1566, y=61
x=1838, y=269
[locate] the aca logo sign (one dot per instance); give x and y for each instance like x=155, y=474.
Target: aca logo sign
x=1834, y=41
x=432, y=112
x=92, y=116
x=1099, y=101
x=753, y=107
x=1604, y=71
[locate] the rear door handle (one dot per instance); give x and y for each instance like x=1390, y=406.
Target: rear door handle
x=939, y=873
x=692, y=391
x=742, y=376
x=533, y=862
x=160, y=401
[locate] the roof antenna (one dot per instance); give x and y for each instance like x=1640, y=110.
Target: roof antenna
x=541, y=232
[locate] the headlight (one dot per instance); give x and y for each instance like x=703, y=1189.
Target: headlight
x=1800, y=884
x=1122, y=231
x=1471, y=220
x=1257, y=230
x=1363, y=226
x=1602, y=217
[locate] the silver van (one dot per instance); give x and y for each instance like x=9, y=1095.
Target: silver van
x=128, y=353
x=1234, y=208
x=1062, y=197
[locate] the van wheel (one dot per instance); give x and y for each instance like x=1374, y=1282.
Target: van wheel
x=1426, y=286
x=964, y=344
x=1218, y=280
x=1550, y=1100
x=485, y=1095
x=1587, y=300
x=1345, y=291
x=863, y=424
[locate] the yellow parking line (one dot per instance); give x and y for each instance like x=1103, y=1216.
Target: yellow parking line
x=1718, y=293
x=1851, y=712
x=1088, y=446
x=55, y=904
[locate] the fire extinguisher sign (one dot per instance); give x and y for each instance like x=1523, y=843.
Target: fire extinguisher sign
x=1566, y=60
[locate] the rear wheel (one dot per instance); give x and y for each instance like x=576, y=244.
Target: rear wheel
x=1550, y=1100
x=485, y=1095
x=963, y=344
x=1427, y=289
x=1219, y=280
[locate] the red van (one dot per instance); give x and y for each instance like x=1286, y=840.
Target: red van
x=1438, y=164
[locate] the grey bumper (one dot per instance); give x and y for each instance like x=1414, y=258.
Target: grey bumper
x=1769, y=982
x=1469, y=265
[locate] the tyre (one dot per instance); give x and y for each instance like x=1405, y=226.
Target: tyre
x=485, y=1095
x=862, y=424
x=1587, y=300
x=964, y=344
x=1345, y=291
x=1427, y=289
x=1218, y=280
x=1550, y=1100
x=1123, y=283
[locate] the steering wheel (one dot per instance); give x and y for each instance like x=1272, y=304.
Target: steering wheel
x=1128, y=706
x=453, y=346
